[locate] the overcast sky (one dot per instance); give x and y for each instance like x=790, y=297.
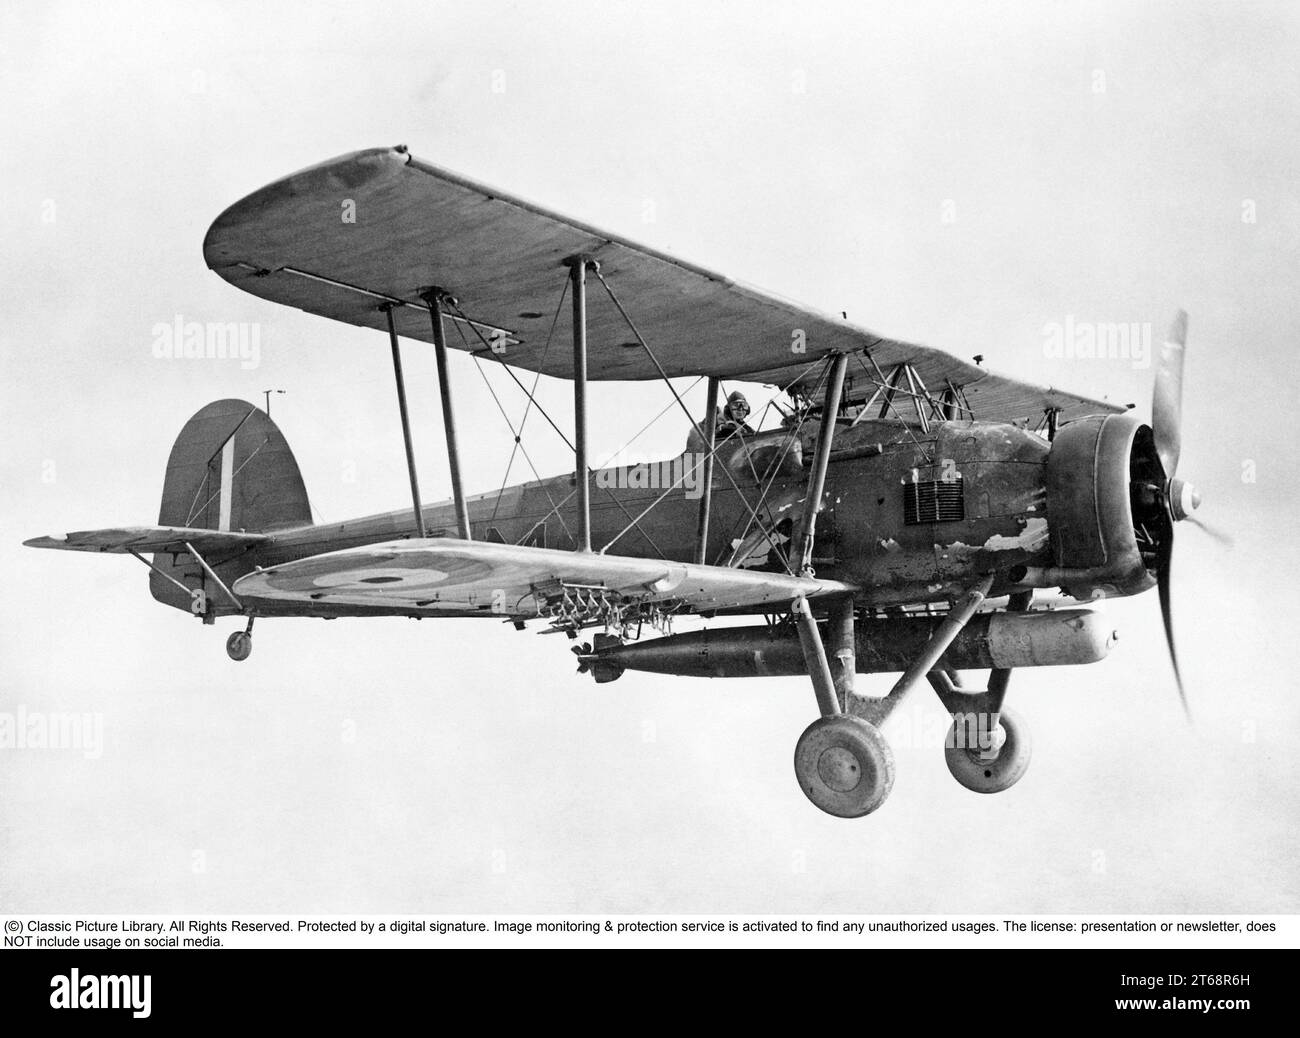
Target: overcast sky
x=960, y=177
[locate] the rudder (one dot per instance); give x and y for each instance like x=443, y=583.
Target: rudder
x=229, y=469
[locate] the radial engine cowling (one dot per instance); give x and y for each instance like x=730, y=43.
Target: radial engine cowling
x=1091, y=471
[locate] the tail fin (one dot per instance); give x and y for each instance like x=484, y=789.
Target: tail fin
x=231, y=470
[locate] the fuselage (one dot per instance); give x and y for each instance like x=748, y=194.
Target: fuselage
x=908, y=515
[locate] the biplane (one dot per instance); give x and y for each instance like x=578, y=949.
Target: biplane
x=898, y=514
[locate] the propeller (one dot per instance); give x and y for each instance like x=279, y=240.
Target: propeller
x=1167, y=397
x=583, y=652
x=1178, y=499
x=1164, y=557
x=1209, y=528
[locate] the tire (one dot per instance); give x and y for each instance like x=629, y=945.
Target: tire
x=844, y=766
x=969, y=766
x=239, y=646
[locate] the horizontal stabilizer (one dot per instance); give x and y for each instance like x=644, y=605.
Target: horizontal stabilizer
x=448, y=575
x=147, y=539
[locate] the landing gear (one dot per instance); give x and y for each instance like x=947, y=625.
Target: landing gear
x=987, y=761
x=844, y=766
x=842, y=762
x=239, y=646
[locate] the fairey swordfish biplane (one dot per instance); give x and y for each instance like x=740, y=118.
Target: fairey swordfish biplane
x=898, y=516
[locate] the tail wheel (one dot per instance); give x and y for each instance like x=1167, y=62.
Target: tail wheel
x=975, y=759
x=844, y=766
x=239, y=646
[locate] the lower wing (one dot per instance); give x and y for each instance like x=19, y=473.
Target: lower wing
x=516, y=582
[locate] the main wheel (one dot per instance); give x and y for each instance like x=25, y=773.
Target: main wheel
x=844, y=766
x=978, y=768
x=239, y=646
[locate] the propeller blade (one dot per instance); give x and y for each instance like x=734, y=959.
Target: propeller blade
x=1223, y=538
x=1167, y=397
x=1166, y=614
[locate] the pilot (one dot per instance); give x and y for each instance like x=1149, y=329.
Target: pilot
x=732, y=419
x=728, y=420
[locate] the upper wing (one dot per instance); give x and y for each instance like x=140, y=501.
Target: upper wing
x=345, y=237
x=147, y=539
x=454, y=576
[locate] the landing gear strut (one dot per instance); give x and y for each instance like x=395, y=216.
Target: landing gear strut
x=239, y=646
x=842, y=762
x=988, y=747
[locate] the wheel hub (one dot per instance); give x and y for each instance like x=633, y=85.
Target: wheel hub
x=985, y=755
x=839, y=769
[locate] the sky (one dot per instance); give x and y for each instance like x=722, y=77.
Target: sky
x=968, y=176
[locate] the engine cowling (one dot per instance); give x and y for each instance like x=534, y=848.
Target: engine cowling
x=1092, y=470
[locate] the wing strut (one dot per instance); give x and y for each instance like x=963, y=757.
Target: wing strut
x=710, y=426
x=436, y=297
x=578, y=266
x=406, y=421
x=821, y=460
x=676, y=396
